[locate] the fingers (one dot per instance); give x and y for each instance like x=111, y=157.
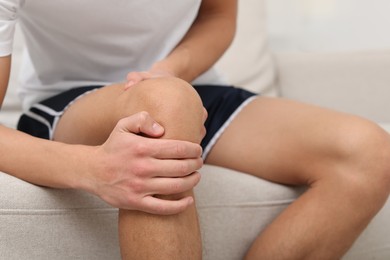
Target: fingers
x=174, y=149
x=165, y=207
x=143, y=123
x=170, y=186
x=205, y=114
x=139, y=123
x=135, y=77
x=172, y=168
x=141, y=167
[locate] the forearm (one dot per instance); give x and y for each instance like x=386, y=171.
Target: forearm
x=36, y=160
x=42, y=162
x=206, y=41
x=5, y=66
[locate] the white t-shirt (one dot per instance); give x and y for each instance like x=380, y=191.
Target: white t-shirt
x=92, y=42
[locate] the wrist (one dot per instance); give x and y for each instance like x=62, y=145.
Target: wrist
x=163, y=67
x=80, y=167
x=176, y=64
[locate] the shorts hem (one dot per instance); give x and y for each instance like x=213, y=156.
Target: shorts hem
x=225, y=125
x=57, y=118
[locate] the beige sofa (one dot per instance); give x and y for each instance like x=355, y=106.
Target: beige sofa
x=42, y=223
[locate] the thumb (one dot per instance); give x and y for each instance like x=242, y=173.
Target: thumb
x=141, y=123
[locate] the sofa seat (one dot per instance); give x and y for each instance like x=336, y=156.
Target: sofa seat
x=40, y=223
x=44, y=223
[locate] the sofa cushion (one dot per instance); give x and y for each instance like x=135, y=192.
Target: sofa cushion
x=68, y=224
x=248, y=62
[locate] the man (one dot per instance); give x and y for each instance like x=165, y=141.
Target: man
x=79, y=56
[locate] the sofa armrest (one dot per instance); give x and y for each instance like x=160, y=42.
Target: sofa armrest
x=355, y=82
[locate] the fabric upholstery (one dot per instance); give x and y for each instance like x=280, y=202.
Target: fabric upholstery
x=41, y=223
x=353, y=82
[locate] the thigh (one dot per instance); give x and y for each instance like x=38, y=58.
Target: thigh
x=170, y=101
x=281, y=140
x=88, y=119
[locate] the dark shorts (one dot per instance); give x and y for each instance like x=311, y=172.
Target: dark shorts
x=221, y=102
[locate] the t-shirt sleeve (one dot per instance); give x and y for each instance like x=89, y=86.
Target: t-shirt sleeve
x=8, y=18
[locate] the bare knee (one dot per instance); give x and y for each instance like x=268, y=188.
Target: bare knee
x=172, y=102
x=362, y=159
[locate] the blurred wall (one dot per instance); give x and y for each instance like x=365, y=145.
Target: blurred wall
x=328, y=25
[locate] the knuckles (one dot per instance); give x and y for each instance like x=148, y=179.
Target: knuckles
x=143, y=117
x=142, y=149
x=130, y=202
x=137, y=186
x=132, y=75
x=142, y=169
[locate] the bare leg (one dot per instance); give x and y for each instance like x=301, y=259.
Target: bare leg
x=343, y=159
x=176, y=106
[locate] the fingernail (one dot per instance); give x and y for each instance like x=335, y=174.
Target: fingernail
x=157, y=127
x=130, y=83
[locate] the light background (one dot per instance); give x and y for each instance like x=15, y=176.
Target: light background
x=328, y=25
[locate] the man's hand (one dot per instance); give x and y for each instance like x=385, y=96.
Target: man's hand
x=138, y=76
x=133, y=168
x=158, y=70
